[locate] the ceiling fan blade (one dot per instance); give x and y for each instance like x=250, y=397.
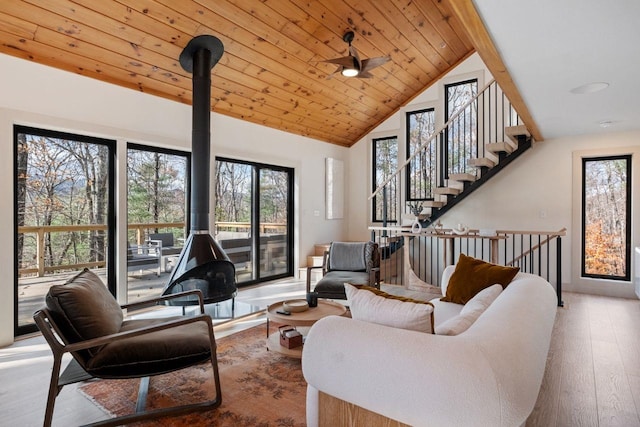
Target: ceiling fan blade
x=345, y=61
x=364, y=75
x=337, y=71
x=371, y=63
x=354, y=55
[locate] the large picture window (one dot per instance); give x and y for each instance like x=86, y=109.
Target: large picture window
x=462, y=132
x=64, y=214
x=157, y=206
x=421, y=171
x=254, y=218
x=385, y=164
x=606, y=214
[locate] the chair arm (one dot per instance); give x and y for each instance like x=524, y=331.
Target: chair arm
x=374, y=276
x=156, y=244
x=150, y=301
x=309, y=275
x=106, y=339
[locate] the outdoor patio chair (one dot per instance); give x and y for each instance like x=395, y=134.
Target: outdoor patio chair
x=357, y=263
x=81, y=317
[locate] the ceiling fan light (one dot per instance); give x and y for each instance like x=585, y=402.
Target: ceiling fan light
x=350, y=72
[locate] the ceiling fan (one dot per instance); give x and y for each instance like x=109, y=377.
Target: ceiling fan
x=352, y=65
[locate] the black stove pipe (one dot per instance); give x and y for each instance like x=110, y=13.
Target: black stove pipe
x=199, y=57
x=202, y=264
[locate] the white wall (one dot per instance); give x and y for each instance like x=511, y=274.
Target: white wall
x=536, y=192
x=45, y=97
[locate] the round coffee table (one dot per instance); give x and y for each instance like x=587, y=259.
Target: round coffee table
x=302, y=321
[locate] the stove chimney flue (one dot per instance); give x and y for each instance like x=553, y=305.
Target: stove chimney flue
x=199, y=57
x=202, y=264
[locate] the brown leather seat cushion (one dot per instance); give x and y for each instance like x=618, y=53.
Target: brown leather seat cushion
x=157, y=352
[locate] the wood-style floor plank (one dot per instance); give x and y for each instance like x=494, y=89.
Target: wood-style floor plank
x=592, y=377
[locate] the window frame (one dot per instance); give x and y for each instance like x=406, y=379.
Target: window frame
x=111, y=145
x=255, y=217
x=409, y=169
x=628, y=217
x=374, y=181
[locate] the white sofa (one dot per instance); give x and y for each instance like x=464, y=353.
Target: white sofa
x=489, y=375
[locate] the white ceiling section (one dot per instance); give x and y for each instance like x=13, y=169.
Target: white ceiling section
x=553, y=46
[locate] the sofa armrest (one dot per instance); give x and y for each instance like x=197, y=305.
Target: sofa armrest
x=403, y=375
x=446, y=276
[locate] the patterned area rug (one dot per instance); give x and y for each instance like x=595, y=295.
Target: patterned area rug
x=259, y=388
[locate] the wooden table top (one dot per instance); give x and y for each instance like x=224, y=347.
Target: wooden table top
x=308, y=317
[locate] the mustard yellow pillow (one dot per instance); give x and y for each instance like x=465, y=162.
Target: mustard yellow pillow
x=473, y=275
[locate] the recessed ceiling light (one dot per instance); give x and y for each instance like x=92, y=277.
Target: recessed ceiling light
x=606, y=123
x=590, y=88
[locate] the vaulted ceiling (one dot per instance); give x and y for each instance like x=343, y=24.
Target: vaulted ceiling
x=272, y=72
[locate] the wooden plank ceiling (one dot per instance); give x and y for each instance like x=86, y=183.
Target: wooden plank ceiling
x=271, y=72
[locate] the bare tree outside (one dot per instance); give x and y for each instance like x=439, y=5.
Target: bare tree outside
x=606, y=221
x=156, y=188
x=462, y=131
x=421, y=173
x=62, y=208
x=385, y=158
x=252, y=217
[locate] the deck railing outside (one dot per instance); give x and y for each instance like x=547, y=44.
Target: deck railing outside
x=138, y=233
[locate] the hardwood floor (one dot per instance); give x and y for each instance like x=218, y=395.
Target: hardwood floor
x=592, y=376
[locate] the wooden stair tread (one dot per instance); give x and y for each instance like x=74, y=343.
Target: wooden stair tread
x=314, y=260
x=482, y=162
x=433, y=204
x=320, y=248
x=447, y=190
x=462, y=177
x=500, y=147
x=513, y=132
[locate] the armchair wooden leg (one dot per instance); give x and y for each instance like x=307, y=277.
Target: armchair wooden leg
x=54, y=389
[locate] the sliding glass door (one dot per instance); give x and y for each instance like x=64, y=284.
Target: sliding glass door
x=253, y=224
x=64, y=214
x=157, y=206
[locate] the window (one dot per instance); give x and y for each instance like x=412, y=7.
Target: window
x=606, y=214
x=64, y=217
x=385, y=164
x=254, y=218
x=157, y=202
x=421, y=171
x=461, y=135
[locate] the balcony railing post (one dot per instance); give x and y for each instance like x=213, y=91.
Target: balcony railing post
x=40, y=252
x=559, y=271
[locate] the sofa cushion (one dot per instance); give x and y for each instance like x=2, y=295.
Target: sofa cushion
x=473, y=275
x=470, y=312
x=389, y=310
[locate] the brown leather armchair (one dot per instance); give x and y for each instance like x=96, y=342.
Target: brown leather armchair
x=81, y=317
x=357, y=263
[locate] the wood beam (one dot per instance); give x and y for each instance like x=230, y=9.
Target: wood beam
x=466, y=12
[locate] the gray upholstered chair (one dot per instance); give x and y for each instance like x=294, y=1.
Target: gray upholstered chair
x=81, y=317
x=346, y=262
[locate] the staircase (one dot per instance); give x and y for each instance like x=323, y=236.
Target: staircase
x=480, y=139
x=460, y=185
x=314, y=260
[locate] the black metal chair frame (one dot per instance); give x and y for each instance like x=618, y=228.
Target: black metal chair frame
x=74, y=373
